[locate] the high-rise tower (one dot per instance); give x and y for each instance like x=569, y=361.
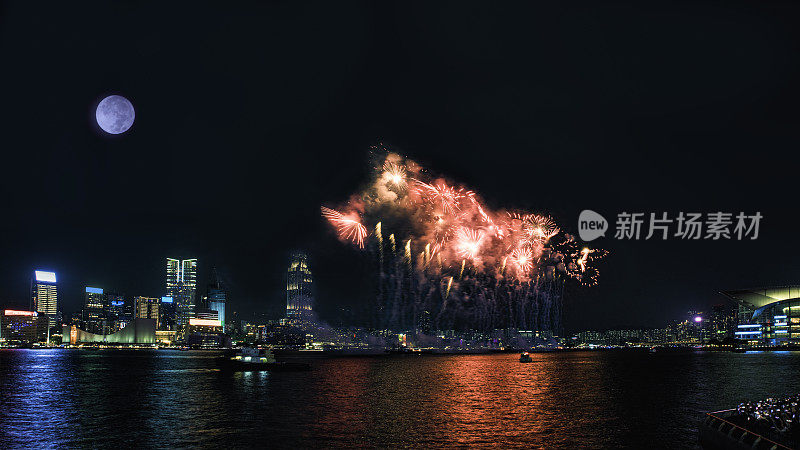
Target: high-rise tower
x=181, y=286
x=147, y=308
x=94, y=310
x=299, y=299
x=44, y=295
x=217, y=297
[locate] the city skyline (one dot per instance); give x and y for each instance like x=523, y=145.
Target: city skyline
x=399, y=225
x=237, y=180
x=295, y=296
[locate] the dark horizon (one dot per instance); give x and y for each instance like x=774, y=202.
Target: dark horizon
x=249, y=119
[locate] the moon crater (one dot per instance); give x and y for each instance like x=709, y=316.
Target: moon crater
x=115, y=114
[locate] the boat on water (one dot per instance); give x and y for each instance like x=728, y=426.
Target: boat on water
x=252, y=359
x=525, y=358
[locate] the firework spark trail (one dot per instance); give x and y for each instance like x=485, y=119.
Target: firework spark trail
x=348, y=227
x=448, y=198
x=582, y=262
x=517, y=259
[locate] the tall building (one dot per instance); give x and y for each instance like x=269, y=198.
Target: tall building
x=119, y=313
x=147, y=308
x=722, y=322
x=216, y=297
x=167, y=314
x=94, y=310
x=44, y=295
x=299, y=299
x=19, y=326
x=181, y=287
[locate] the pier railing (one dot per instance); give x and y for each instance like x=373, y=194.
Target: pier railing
x=722, y=432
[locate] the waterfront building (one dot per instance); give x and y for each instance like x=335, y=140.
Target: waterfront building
x=147, y=308
x=119, y=313
x=94, y=310
x=181, y=286
x=249, y=332
x=205, y=333
x=623, y=337
x=424, y=322
x=590, y=338
x=768, y=316
x=167, y=322
x=139, y=331
x=166, y=337
x=689, y=331
x=722, y=322
x=299, y=299
x=20, y=327
x=216, y=297
x=44, y=295
x=658, y=336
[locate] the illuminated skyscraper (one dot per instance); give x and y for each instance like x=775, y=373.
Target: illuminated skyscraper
x=118, y=313
x=94, y=310
x=147, y=308
x=216, y=296
x=181, y=286
x=44, y=295
x=298, y=289
x=20, y=326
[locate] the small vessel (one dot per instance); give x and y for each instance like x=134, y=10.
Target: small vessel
x=525, y=358
x=653, y=349
x=251, y=359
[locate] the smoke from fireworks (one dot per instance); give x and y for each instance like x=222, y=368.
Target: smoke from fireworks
x=456, y=236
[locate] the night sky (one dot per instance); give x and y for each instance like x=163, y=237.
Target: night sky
x=251, y=116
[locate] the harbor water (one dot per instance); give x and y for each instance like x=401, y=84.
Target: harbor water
x=166, y=398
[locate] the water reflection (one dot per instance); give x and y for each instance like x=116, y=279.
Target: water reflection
x=56, y=398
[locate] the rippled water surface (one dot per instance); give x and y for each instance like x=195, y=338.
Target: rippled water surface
x=80, y=398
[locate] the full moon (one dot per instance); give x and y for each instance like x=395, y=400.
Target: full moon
x=115, y=114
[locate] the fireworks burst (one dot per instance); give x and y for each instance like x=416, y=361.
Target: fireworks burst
x=456, y=226
x=446, y=197
x=468, y=242
x=445, y=228
x=347, y=226
x=395, y=174
x=522, y=259
x=539, y=228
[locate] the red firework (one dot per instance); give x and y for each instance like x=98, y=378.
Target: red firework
x=347, y=226
x=522, y=259
x=447, y=197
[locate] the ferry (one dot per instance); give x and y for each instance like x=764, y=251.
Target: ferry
x=251, y=360
x=525, y=358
